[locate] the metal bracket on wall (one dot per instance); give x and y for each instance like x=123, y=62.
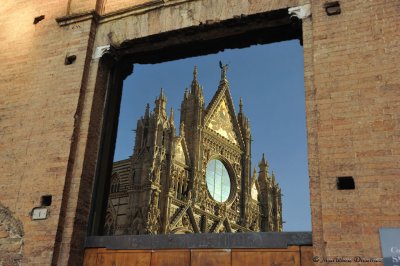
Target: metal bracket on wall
x=300, y=12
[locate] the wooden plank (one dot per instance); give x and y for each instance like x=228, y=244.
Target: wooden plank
x=281, y=258
x=242, y=258
x=306, y=253
x=133, y=259
x=106, y=259
x=124, y=258
x=90, y=258
x=177, y=257
x=210, y=257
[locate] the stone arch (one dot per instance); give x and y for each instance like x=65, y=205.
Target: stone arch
x=181, y=231
x=110, y=220
x=11, y=238
x=115, y=183
x=109, y=225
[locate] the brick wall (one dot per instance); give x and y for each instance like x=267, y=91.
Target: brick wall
x=356, y=97
x=38, y=98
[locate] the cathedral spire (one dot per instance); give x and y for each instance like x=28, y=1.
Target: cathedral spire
x=171, y=117
x=254, y=173
x=182, y=128
x=273, y=178
x=263, y=164
x=147, y=112
x=196, y=89
x=186, y=95
x=195, y=75
x=243, y=120
x=241, y=105
x=162, y=96
x=161, y=103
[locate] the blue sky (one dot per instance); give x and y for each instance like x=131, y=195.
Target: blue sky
x=269, y=78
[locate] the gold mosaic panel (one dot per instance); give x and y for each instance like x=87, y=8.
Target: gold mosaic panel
x=221, y=122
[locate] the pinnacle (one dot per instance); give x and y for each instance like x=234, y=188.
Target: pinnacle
x=195, y=73
x=162, y=96
x=263, y=163
x=195, y=82
x=147, y=112
x=196, y=89
x=273, y=177
x=182, y=128
x=171, y=116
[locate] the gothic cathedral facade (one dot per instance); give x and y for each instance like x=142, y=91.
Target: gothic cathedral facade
x=199, y=181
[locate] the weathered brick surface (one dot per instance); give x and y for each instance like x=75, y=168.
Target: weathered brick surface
x=38, y=99
x=50, y=114
x=356, y=97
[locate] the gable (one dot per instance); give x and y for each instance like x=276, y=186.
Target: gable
x=221, y=122
x=179, y=153
x=254, y=191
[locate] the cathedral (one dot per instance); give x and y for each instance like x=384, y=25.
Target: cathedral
x=197, y=181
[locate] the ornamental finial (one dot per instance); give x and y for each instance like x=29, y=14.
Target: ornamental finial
x=195, y=73
x=171, y=116
x=224, y=69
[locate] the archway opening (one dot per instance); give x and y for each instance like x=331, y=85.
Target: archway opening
x=205, y=41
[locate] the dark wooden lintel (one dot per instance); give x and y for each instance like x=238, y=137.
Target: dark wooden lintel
x=192, y=241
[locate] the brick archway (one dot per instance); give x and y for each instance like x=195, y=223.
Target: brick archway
x=113, y=56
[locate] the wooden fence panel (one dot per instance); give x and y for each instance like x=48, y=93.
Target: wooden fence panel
x=306, y=253
x=90, y=257
x=132, y=259
x=278, y=257
x=210, y=257
x=179, y=257
x=123, y=258
x=293, y=256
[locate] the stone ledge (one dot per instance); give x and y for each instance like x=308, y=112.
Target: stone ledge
x=193, y=241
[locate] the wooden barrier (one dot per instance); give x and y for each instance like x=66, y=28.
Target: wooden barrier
x=293, y=255
x=253, y=249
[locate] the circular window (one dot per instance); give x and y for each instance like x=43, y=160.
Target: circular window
x=218, y=180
